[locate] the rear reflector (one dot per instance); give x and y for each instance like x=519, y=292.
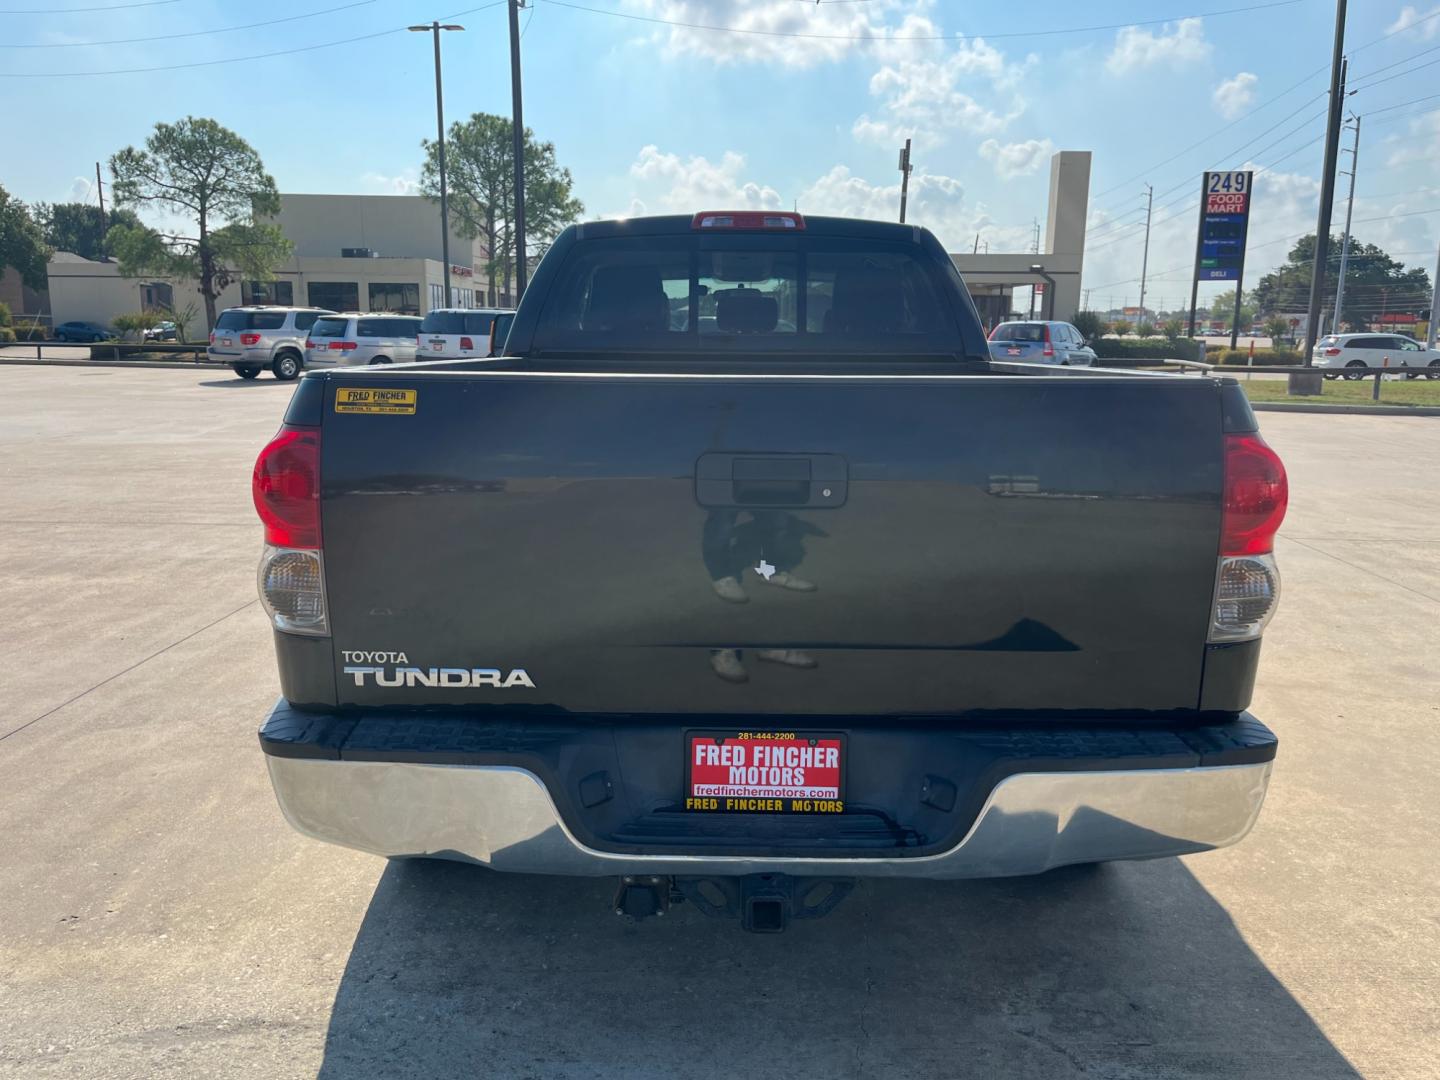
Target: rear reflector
x=1256, y=493
x=746, y=219
x=1247, y=590
x=292, y=588
x=286, y=487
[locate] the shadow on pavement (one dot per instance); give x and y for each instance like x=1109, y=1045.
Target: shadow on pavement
x=238, y=381
x=1131, y=970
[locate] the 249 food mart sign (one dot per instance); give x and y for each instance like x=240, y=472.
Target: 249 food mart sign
x=1224, y=224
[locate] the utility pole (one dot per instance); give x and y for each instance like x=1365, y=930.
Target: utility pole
x=100, y=191
x=904, y=179
x=1034, y=250
x=1345, y=244
x=518, y=120
x=1087, y=299
x=976, y=248
x=1434, y=300
x=1145, y=258
x=435, y=28
x=1327, y=191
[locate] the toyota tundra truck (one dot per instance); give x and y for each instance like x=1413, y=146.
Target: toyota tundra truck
x=746, y=572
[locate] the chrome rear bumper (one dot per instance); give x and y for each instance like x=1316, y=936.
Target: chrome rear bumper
x=504, y=818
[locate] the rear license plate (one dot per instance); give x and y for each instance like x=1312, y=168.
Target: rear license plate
x=438, y=346
x=765, y=772
x=226, y=341
x=1012, y=352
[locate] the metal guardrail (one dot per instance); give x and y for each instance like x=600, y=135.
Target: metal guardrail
x=1379, y=374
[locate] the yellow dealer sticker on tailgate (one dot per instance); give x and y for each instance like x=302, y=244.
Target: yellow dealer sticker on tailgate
x=373, y=399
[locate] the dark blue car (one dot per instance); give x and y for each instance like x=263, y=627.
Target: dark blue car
x=83, y=331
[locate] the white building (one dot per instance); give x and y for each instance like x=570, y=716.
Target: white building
x=352, y=253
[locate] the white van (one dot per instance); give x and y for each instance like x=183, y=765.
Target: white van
x=353, y=339
x=453, y=333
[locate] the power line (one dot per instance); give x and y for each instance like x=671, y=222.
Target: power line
x=920, y=37
x=68, y=11
x=235, y=59
x=188, y=34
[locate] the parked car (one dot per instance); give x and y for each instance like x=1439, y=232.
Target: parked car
x=457, y=333
x=744, y=613
x=251, y=339
x=82, y=331
x=355, y=340
x=1357, y=352
x=162, y=331
x=1041, y=343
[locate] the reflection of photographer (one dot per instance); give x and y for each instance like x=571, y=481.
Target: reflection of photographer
x=772, y=543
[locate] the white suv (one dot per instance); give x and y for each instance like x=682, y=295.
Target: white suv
x=454, y=333
x=354, y=340
x=1357, y=352
x=251, y=339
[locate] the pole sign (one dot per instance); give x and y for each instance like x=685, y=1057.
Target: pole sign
x=1224, y=222
x=1220, y=239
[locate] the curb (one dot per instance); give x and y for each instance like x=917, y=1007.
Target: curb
x=183, y=365
x=1353, y=410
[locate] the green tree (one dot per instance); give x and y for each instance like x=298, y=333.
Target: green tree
x=208, y=174
x=1374, y=282
x=22, y=245
x=79, y=227
x=480, y=175
x=1120, y=327
x=1089, y=324
x=1276, y=329
x=1145, y=328
x=1174, y=329
x=135, y=323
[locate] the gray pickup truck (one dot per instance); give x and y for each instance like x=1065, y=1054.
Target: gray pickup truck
x=746, y=572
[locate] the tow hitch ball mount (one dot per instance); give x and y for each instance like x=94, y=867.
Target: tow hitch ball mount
x=764, y=903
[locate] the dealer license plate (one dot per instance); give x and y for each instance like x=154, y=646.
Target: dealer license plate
x=1012, y=352
x=765, y=772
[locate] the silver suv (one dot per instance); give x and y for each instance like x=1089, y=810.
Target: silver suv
x=355, y=340
x=251, y=339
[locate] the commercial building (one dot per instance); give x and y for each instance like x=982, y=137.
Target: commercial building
x=352, y=253
x=1053, y=272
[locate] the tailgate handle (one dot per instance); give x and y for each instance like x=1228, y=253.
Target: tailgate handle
x=765, y=480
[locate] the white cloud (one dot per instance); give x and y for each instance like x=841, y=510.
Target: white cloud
x=82, y=189
x=1418, y=145
x=1233, y=96
x=406, y=182
x=696, y=183
x=824, y=32
x=1017, y=158
x=1176, y=43
x=1426, y=25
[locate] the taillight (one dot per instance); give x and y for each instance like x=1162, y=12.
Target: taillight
x=466, y=343
x=993, y=333
x=1332, y=352
x=286, y=488
x=1247, y=582
x=344, y=346
x=249, y=339
x=1049, y=349
x=746, y=219
x=212, y=337
x=309, y=343
x=1255, y=496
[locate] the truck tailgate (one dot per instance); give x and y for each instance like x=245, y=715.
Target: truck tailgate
x=893, y=545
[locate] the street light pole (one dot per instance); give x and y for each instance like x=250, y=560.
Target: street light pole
x=518, y=123
x=435, y=28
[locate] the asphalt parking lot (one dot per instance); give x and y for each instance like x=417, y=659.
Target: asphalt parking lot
x=158, y=917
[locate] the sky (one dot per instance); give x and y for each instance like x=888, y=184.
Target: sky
x=781, y=104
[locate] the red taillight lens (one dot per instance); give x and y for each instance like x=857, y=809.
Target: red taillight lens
x=249, y=339
x=309, y=344
x=1332, y=352
x=344, y=346
x=1255, y=496
x=286, y=488
x=212, y=337
x=466, y=343
x=1049, y=349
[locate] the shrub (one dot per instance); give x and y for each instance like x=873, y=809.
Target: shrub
x=1113, y=353
x=1173, y=329
x=4, y=314
x=1145, y=328
x=1263, y=357
x=1120, y=328
x=1090, y=325
x=29, y=331
x=6, y=335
